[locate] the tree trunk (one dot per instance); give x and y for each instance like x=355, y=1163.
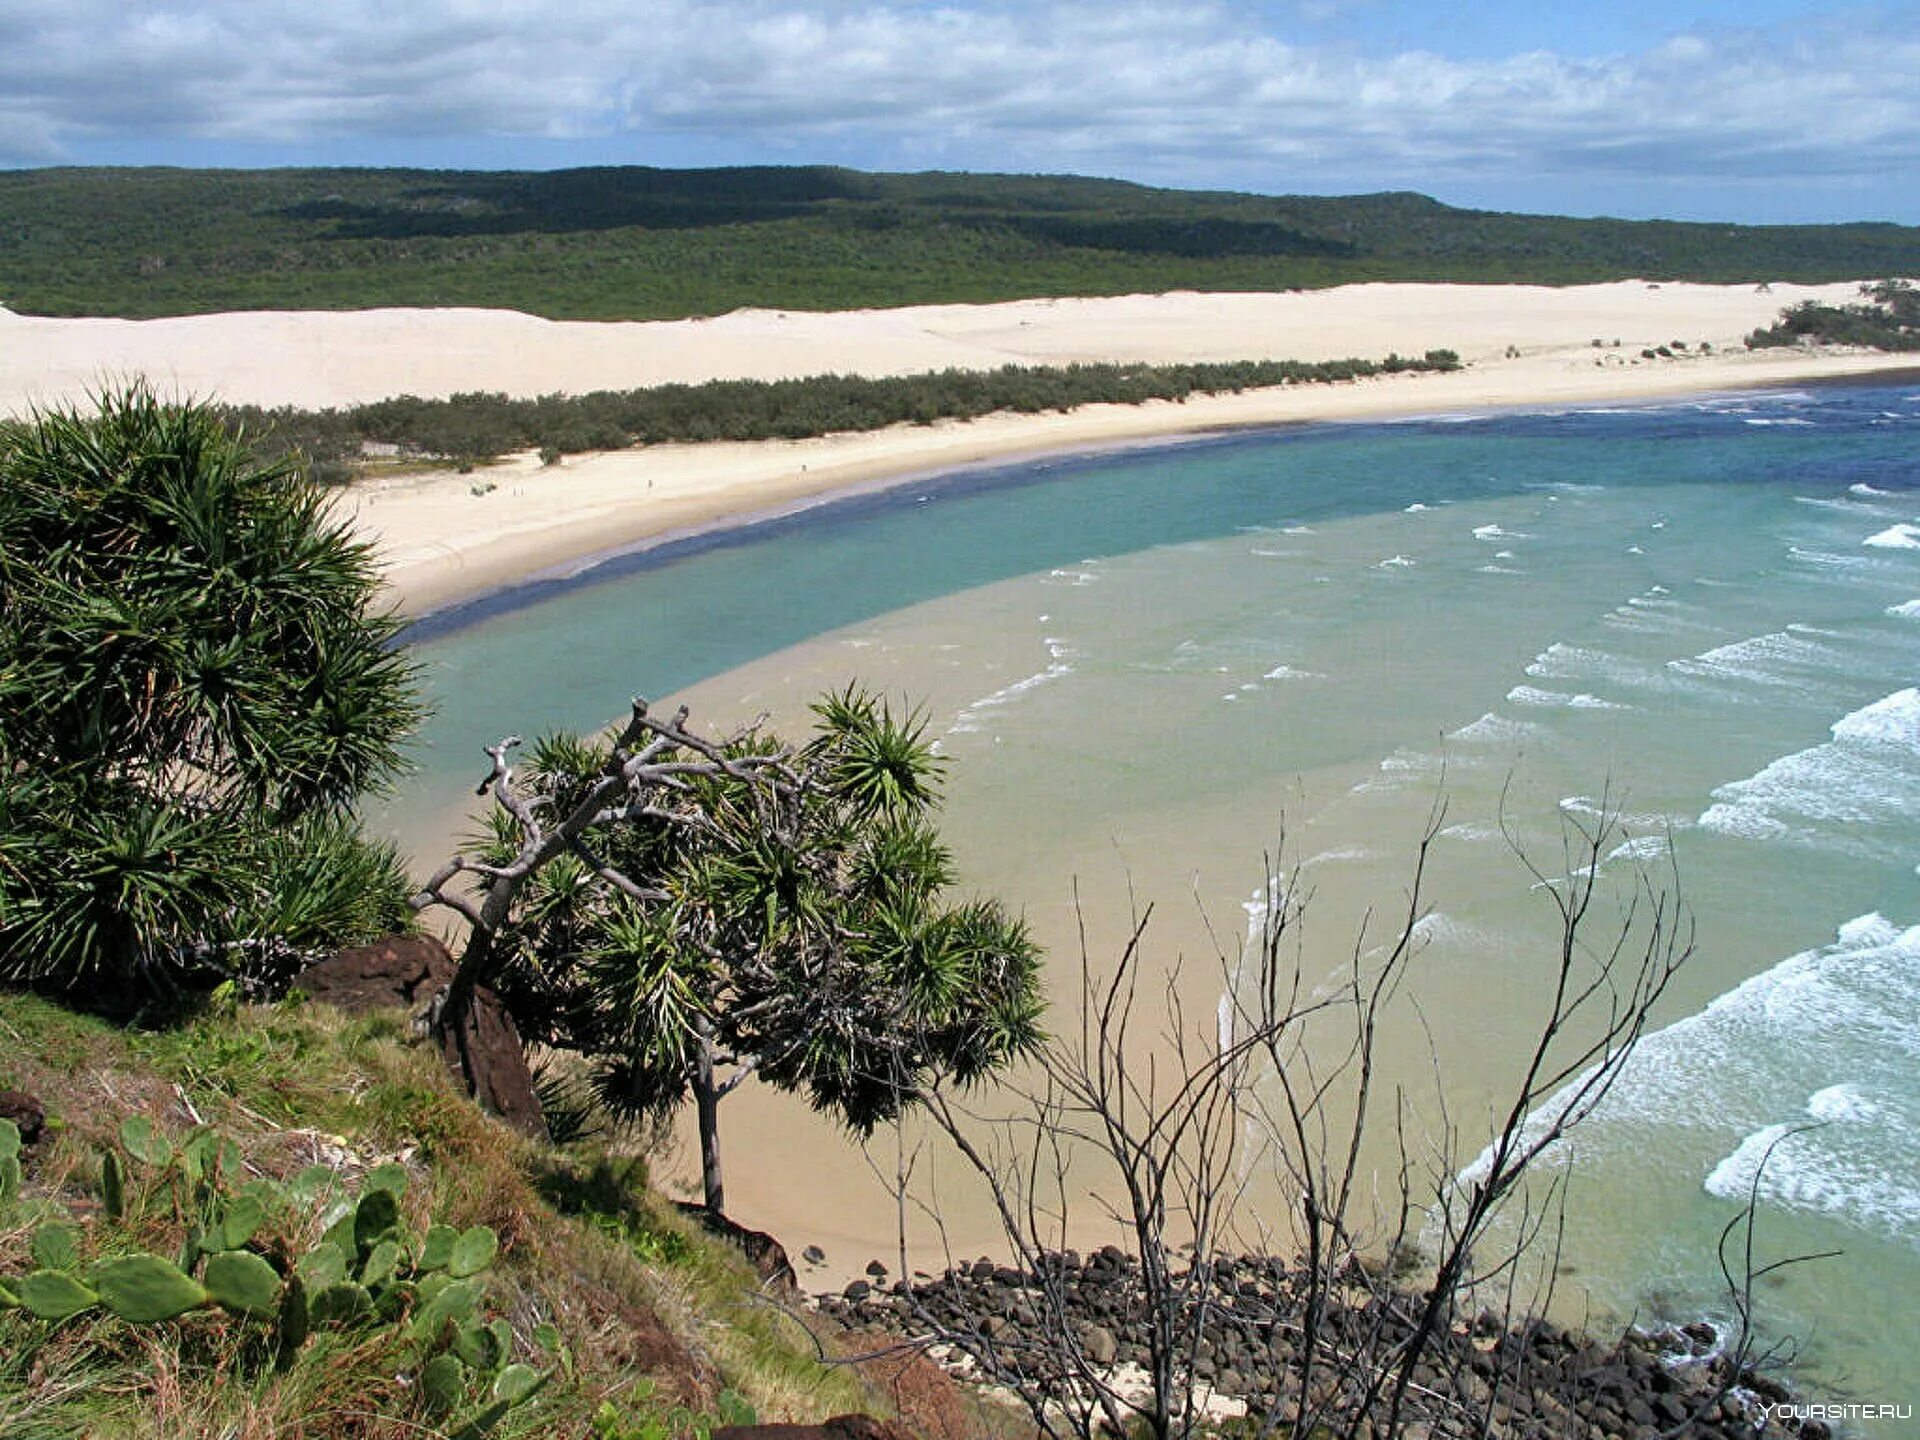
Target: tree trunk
x=706, y=1099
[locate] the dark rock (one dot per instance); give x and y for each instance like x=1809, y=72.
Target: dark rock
x=766, y=1254
x=484, y=1049
x=814, y=1255
x=876, y=1270
x=403, y=973
x=1098, y=1344
x=27, y=1113
x=408, y=972
x=840, y=1427
x=857, y=1290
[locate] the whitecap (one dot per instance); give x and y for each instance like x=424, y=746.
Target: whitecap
x=1758, y=660
x=1533, y=695
x=1893, y=721
x=1284, y=671
x=1896, y=537
x=1734, y=1070
x=1395, y=562
x=1910, y=610
x=1492, y=729
x=1840, y=1102
x=1416, y=508
x=1560, y=661
x=1862, y=488
x=1640, y=847
x=1836, y=794
x=967, y=721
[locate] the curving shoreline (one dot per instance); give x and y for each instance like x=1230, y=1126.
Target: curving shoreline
x=443, y=544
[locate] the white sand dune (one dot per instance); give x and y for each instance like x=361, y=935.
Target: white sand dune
x=1524, y=345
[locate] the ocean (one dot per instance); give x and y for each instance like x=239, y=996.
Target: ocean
x=1157, y=672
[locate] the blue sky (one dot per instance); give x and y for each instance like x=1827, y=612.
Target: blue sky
x=1768, y=110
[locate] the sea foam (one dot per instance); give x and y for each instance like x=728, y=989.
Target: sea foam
x=1896, y=537
x=1837, y=794
x=1732, y=1074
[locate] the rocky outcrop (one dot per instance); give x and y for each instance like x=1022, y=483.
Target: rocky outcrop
x=402, y=972
x=840, y=1427
x=766, y=1254
x=27, y=1114
x=1517, y=1379
x=407, y=972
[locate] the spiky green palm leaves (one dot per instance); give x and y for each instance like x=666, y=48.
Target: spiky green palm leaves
x=192, y=673
x=802, y=928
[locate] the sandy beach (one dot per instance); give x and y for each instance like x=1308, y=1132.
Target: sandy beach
x=442, y=543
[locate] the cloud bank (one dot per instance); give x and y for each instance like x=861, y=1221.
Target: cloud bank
x=1197, y=94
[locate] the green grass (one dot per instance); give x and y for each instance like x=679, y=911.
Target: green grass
x=634, y=243
x=608, y=1262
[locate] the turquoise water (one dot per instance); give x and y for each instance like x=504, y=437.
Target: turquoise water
x=1146, y=666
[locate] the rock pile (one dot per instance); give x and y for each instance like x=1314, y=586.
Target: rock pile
x=1532, y=1379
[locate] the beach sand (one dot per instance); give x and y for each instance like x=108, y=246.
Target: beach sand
x=442, y=543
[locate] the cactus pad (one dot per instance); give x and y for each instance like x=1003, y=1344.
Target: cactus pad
x=473, y=1251
x=142, y=1289
x=113, y=1186
x=437, y=1249
x=242, y=1282
x=53, y=1294
x=340, y=1304
x=376, y=1214
x=322, y=1266
x=443, y=1380
x=143, y=1142
x=55, y=1246
x=391, y=1176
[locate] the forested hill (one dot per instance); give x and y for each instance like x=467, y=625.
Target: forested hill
x=634, y=243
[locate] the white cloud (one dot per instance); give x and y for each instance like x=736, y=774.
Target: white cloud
x=1167, y=90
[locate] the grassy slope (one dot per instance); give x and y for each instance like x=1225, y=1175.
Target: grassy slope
x=654, y=1315
x=635, y=243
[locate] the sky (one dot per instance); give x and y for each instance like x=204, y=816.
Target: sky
x=1759, y=111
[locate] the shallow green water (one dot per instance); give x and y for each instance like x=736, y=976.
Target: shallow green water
x=1145, y=667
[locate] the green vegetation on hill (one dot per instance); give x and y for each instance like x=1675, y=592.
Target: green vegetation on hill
x=261, y=1133
x=483, y=426
x=637, y=243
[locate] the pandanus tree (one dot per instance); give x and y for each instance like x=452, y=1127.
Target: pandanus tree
x=196, y=679
x=684, y=913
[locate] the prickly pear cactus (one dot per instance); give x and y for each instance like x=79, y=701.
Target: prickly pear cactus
x=369, y=1268
x=113, y=1186
x=144, y=1289
x=242, y=1282
x=9, y=1165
